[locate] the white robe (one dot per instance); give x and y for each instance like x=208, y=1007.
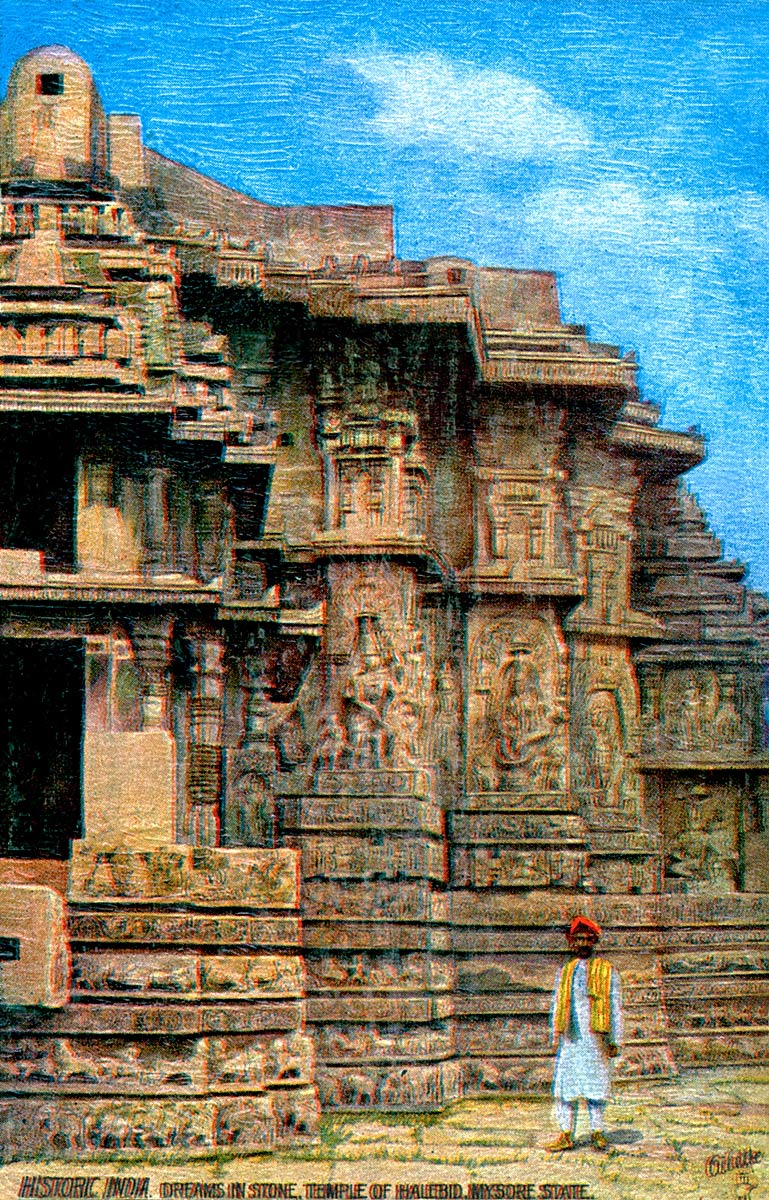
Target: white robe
x=581, y=1065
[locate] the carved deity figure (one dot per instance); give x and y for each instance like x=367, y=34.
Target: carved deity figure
x=369, y=694
x=728, y=727
x=256, y=809
x=688, y=723
x=704, y=855
x=331, y=747
x=106, y=541
x=602, y=764
x=443, y=741
x=525, y=752
x=521, y=752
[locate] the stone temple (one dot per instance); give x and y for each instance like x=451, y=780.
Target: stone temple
x=357, y=630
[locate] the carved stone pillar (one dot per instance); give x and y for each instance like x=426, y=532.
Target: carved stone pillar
x=204, y=771
x=151, y=638
x=256, y=731
x=251, y=767
x=156, y=520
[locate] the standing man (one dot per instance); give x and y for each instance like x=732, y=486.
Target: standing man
x=586, y=1024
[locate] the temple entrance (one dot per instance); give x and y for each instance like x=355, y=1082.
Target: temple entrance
x=41, y=732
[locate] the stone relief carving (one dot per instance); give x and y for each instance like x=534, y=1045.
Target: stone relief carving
x=297, y=1111
x=356, y=1041
x=443, y=732
x=395, y=1087
x=728, y=724
x=413, y=972
x=603, y=535
x=529, y=869
x=702, y=856
x=375, y=477
x=602, y=747
x=381, y=692
x=345, y=857
x=518, y=731
x=605, y=736
x=369, y=692
x=258, y=878
x=690, y=701
x=694, y=711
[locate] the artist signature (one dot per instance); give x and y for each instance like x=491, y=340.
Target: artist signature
x=733, y=1160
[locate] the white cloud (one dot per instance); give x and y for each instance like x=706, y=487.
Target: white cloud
x=651, y=223
x=429, y=99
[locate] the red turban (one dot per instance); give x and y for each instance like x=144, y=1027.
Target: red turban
x=585, y=926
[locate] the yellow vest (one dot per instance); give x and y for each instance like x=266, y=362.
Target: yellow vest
x=598, y=989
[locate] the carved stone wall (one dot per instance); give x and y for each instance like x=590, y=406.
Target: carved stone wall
x=175, y=1038
x=388, y=610
x=374, y=905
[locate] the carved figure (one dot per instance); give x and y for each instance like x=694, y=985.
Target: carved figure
x=728, y=728
x=704, y=855
x=233, y=1065
x=297, y=1111
x=689, y=719
x=359, y=1089
x=443, y=743
x=369, y=694
x=602, y=750
x=256, y=809
x=331, y=747
x=523, y=754
x=290, y=1057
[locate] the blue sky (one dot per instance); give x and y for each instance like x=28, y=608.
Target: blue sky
x=623, y=145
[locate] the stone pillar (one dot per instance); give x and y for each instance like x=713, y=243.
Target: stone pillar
x=151, y=638
x=250, y=805
x=204, y=772
x=156, y=520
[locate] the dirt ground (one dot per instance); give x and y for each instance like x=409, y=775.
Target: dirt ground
x=687, y=1137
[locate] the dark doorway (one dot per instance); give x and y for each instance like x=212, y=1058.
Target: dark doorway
x=41, y=732
x=37, y=490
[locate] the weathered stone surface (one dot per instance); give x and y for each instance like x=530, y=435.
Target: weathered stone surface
x=395, y=1089
x=182, y=1019
x=180, y=929
x=129, y=789
x=61, y=1126
x=34, y=918
x=355, y=858
x=388, y=645
x=201, y=977
x=358, y=813
x=211, y=878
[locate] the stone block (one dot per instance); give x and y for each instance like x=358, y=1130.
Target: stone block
x=297, y=1114
x=393, y=1088
x=72, y=1126
x=361, y=814
x=374, y=783
x=129, y=788
x=40, y=977
x=355, y=1042
x=179, y=929
x=399, y=901
x=208, y=877
x=21, y=566
x=524, y=1075
x=167, y=1018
